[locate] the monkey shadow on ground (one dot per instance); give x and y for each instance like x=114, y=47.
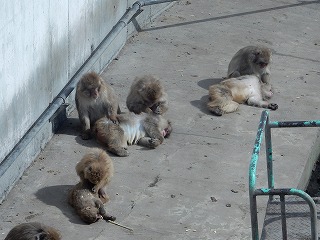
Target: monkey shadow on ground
x=202, y=103
x=206, y=83
x=72, y=127
x=58, y=196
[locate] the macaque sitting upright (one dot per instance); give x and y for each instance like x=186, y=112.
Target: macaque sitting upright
x=147, y=95
x=96, y=169
x=95, y=99
x=253, y=60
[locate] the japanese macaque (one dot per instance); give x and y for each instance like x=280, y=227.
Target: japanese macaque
x=145, y=129
x=253, y=60
x=33, y=231
x=226, y=96
x=87, y=204
x=95, y=99
x=96, y=168
x=147, y=95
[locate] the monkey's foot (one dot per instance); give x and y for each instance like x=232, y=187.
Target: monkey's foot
x=216, y=111
x=153, y=142
x=273, y=106
x=122, y=152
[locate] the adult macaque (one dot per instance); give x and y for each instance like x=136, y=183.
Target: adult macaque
x=145, y=129
x=252, y=60
x=96, y=168
x=226, y=96
x=147, y=95
x=33, y=231
x=95, y=99
x=88, y=205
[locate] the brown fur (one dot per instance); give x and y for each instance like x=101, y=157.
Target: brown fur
x=226, y=96
x=88, y=205
x=33, y=231
x=147, y=95
x=252, y=60
x=95, y=99
x=96, y=167
x=145, y=129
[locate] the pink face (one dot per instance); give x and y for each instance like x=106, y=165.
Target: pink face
x=165, y=132
x=94, y=93
x=263, y=65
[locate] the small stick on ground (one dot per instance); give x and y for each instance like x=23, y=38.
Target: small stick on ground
x=120, y=225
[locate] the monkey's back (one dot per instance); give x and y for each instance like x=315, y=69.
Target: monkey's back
x=243, y=87
x=80, y=196
x=32, y=230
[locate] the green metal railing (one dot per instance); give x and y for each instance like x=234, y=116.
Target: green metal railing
x=265, y=127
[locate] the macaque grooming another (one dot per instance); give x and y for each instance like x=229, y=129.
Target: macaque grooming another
x=226, y=96
x=88, y=205
x=95, y=99
x=96, y=168
x=147, y=95
x=145, y=129
x=252, y=60
x=33, y=231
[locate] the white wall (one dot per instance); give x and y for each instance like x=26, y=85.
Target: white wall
x=42, y=45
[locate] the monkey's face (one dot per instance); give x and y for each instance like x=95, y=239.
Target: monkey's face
x=167, y=131
x=262, y=58
x=90, y=214
x=93, y=173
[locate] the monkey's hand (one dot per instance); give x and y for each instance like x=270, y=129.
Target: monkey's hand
x=273, y=106
x=114, y=119
x=86, y=134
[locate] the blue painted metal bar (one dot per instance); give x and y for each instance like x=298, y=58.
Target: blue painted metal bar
x=269, y=156
x=283, y=217
x=265, y=125
x=288, y=124
x=252, y=175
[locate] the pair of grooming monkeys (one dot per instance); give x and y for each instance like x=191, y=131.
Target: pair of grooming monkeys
x=249, y=82
x=87, y=197
x=99, y=114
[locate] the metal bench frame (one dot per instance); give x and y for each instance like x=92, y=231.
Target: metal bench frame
x=264, y=128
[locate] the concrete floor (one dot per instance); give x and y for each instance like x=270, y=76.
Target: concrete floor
x=195, y=185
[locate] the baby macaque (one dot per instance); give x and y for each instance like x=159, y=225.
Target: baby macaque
x=88, y=205
x=147, y=95
x=95, y=99
x=145, y=129
x=96, y=168
x=33, y=231
x=252, y=60
x=226, y=96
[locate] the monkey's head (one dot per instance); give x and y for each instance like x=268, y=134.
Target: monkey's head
x=261, y=57
x=94, y=173
x=90, y=85
x=151, y=92
x=167, y=130
x=89, y=214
